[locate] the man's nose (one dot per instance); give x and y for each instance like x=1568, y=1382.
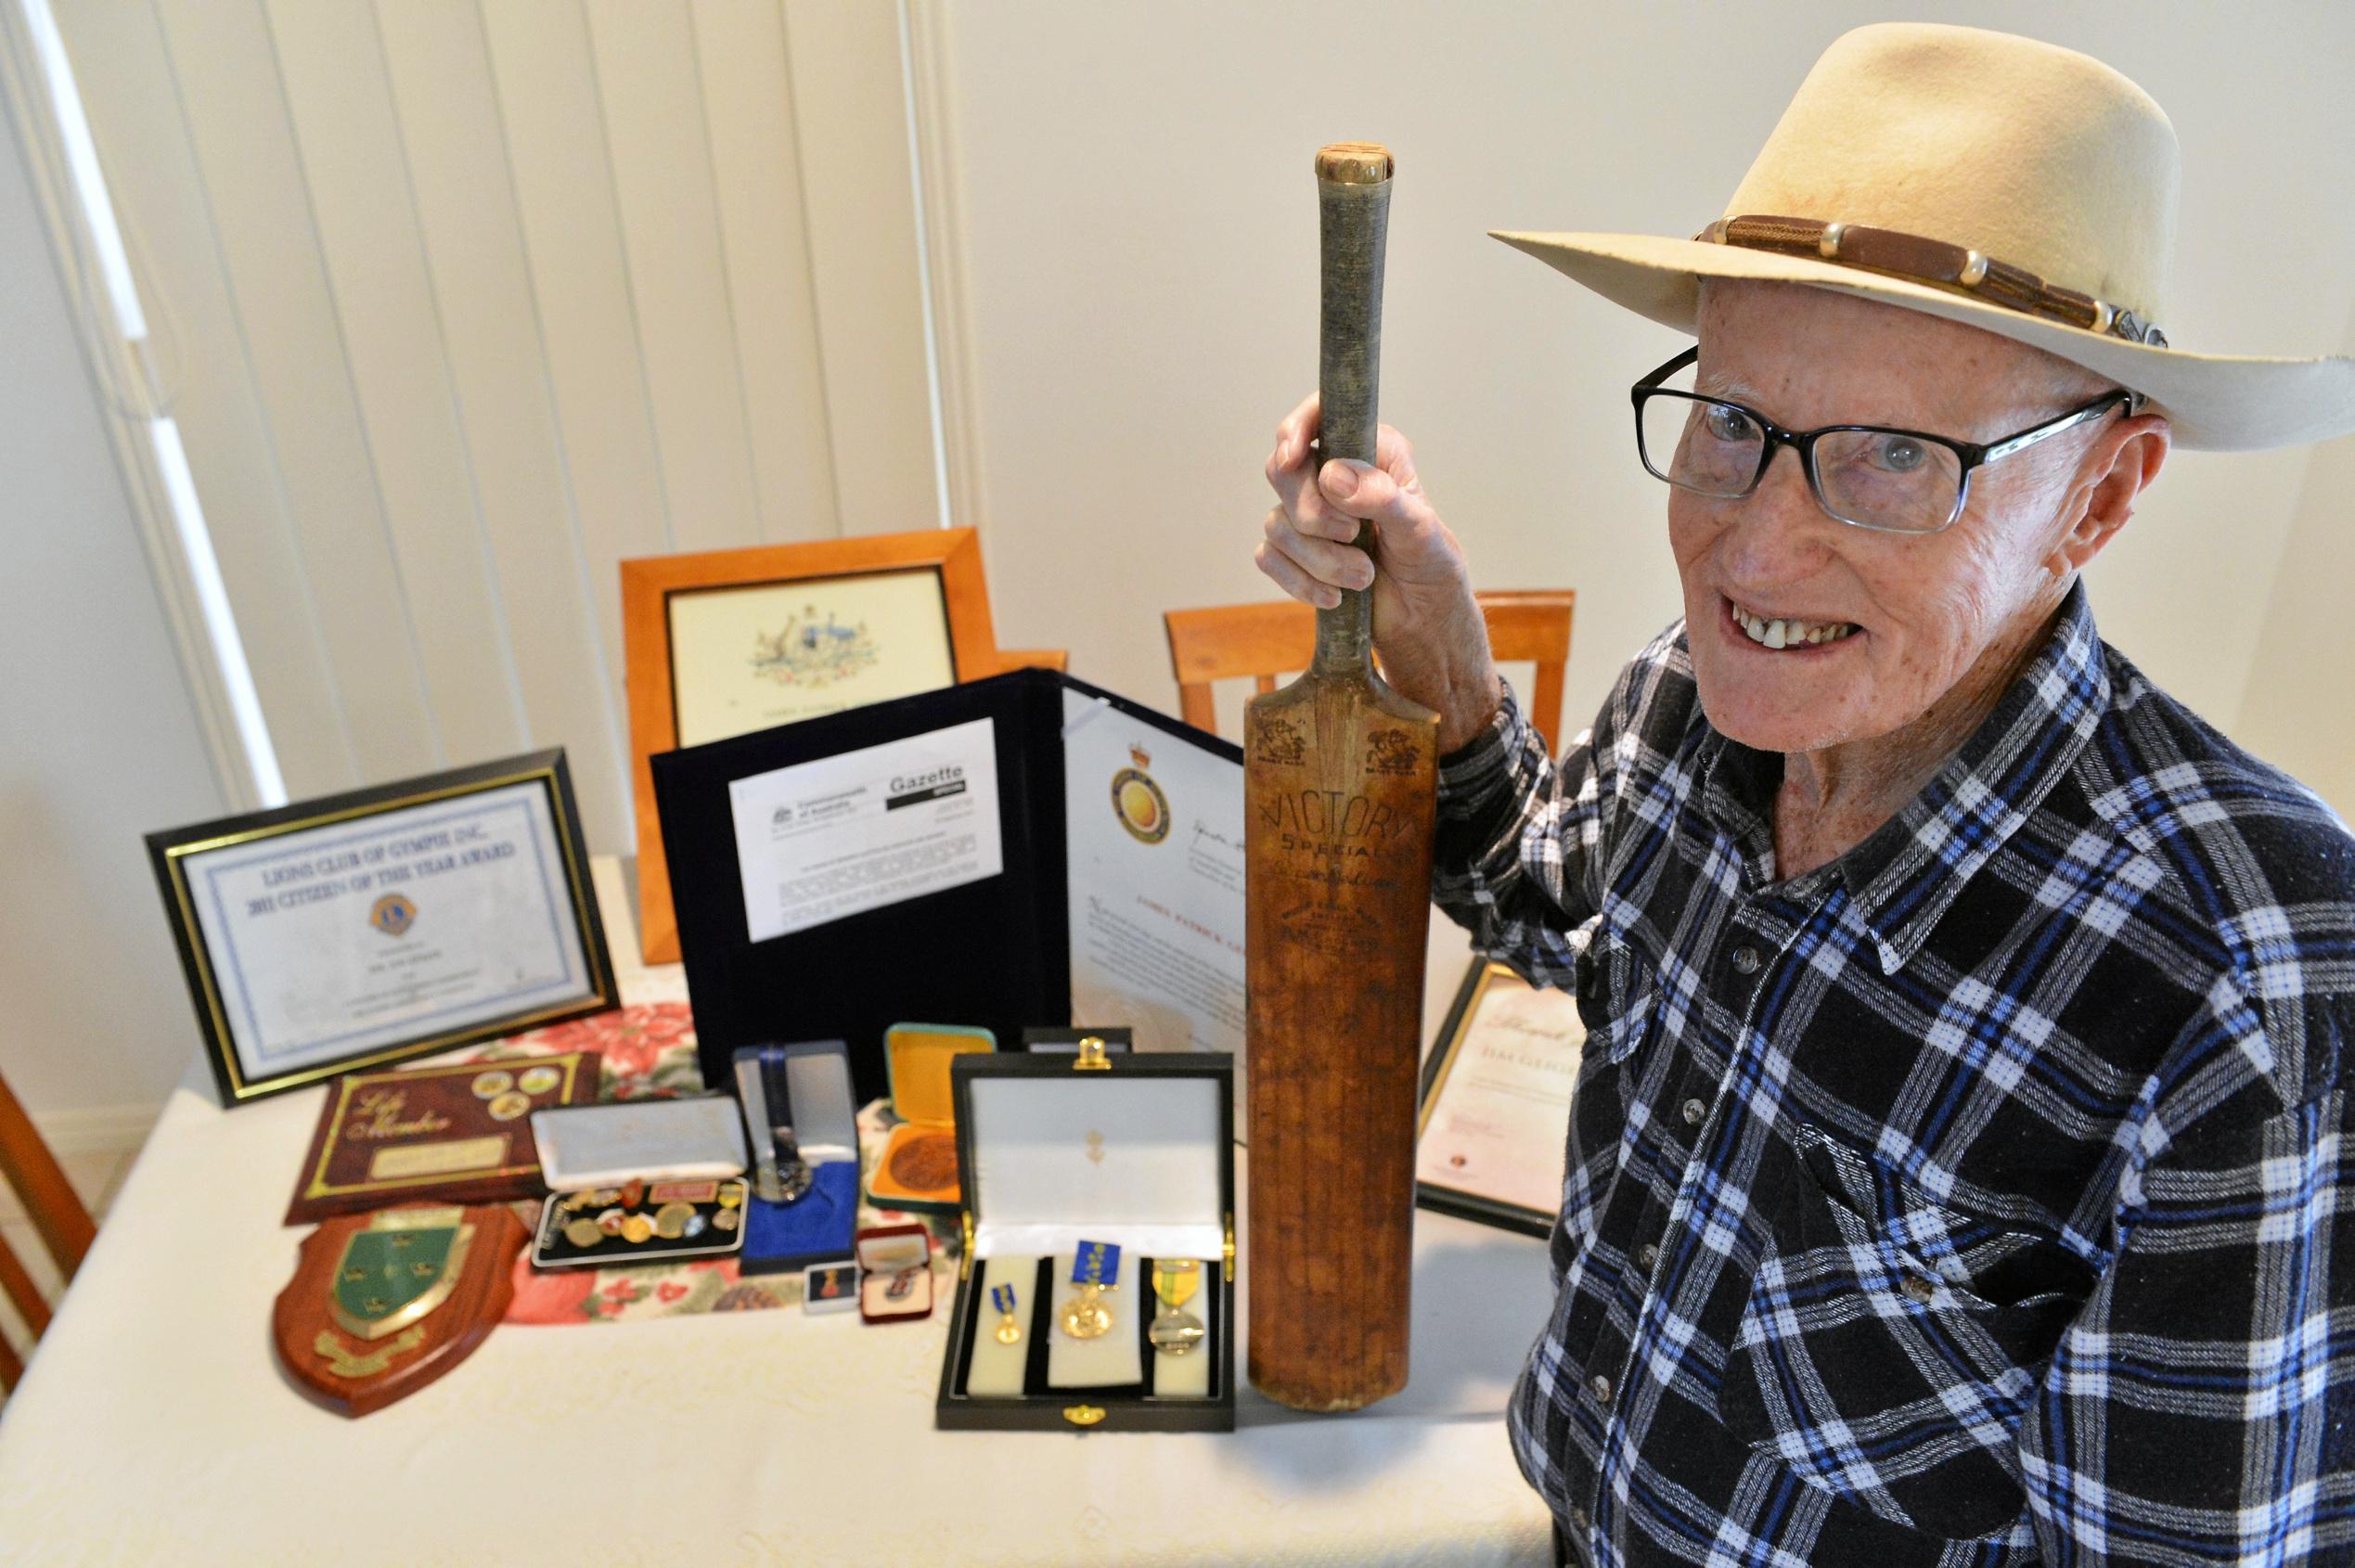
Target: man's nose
x=1781, y=530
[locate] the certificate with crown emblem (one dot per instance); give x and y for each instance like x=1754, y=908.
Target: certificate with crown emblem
x=1155, y=824
x=362, y=929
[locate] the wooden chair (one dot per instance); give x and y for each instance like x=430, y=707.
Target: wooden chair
x=57, y=1216
x=1033, y=659
x=1265, y=640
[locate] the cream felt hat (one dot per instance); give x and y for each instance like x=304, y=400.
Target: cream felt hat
x=1998, y=181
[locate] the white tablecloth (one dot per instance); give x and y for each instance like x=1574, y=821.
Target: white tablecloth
x=154, y=1425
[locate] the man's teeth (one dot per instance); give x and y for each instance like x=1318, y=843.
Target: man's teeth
x=1789, y=633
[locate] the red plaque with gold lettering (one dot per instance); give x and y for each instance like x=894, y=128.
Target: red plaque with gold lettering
x=455, y=1135
x=380, y=1304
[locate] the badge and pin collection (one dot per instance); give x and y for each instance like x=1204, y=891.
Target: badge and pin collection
x=675, y=1216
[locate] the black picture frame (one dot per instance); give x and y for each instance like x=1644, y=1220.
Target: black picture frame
x=1437, y=1064
x=174, y=852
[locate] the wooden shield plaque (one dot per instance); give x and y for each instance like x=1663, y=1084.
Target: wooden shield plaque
x=383, y=1303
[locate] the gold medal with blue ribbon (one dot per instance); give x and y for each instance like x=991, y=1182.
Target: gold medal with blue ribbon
x=1095, y=1268
x=1002, y=1298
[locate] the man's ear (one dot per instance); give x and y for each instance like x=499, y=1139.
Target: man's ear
x=2137, y=448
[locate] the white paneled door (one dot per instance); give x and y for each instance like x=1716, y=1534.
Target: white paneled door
x=473, y=299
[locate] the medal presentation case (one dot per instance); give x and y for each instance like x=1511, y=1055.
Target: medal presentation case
x=803, y=1088
x=1067, y=1037
x=917, y=1170
x=895, y=1274
x=1081, y=1173
x=607, y=1143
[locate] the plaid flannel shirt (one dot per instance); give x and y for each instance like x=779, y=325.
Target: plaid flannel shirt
x=1981, y=1197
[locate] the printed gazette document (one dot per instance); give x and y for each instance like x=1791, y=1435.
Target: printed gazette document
x=823, y=839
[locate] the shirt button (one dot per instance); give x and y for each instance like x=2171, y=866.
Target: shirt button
x=1648, y=1256
x=1578, y=1517
x=1916, y=1288
x=1602, y=1386
x=1693, y=1112
x=1745, y=959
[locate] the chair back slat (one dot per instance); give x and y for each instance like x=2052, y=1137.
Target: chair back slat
x=15, y=1283
x=27, y=1165
x=17, y=1286
x=64, y=1225
x=1265, y=641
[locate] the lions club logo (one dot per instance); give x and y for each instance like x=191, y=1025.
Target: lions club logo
x=392, y=914
x=1138, y=800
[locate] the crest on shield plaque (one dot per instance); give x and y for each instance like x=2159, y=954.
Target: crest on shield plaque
x=383, y=1303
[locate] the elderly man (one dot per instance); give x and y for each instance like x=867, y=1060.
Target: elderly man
x=1955, y=1165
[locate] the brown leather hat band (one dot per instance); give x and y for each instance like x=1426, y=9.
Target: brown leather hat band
x=1934, y=261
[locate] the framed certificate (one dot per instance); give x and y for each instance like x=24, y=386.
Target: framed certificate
x=732, y=641
x=370, y=926
x=1496, y=1102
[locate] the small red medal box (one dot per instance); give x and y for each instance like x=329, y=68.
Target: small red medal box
x=895, y=1274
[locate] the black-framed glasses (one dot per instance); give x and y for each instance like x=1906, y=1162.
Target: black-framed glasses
x=1869, y=476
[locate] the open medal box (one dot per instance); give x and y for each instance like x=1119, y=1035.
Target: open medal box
x=1101, y=1164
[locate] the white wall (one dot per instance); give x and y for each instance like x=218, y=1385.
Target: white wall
x=1138, y=262
x=2299, y=708
x=98, y=738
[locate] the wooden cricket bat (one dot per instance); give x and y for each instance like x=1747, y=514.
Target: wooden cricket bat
x=1339, y=783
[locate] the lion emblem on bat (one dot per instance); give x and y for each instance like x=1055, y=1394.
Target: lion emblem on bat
x=1390, y=750
x=1280, y=742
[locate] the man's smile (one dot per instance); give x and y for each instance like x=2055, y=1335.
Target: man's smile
x=1783, y=633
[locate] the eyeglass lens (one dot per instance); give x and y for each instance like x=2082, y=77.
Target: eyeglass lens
x=1876, y=478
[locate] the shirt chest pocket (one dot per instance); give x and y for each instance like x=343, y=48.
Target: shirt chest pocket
x=1618, y=1001
x=1889, y=1345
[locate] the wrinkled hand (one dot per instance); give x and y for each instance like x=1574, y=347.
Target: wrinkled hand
x=1427, y=626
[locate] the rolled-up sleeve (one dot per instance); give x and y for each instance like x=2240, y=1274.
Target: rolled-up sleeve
x=1515, y=856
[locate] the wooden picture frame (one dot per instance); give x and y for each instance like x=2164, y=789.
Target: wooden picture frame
x=881, y=571
x=1515, y=1108
x=295, y=925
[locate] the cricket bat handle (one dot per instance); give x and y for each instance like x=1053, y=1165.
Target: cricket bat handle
x=1353, y=201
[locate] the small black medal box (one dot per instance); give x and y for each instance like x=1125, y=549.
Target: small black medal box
x=1063, y=1153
